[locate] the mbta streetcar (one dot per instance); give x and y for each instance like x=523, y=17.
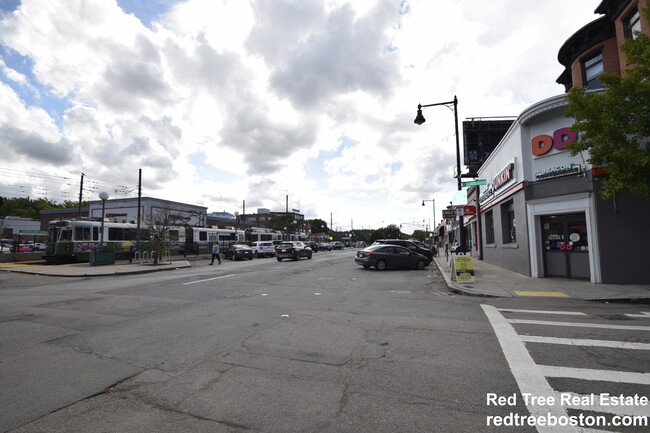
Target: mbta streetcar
x=74, y=240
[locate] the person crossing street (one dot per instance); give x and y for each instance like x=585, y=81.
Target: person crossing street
x=215, y=253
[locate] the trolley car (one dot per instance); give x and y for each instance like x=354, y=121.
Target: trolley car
x=74, y=240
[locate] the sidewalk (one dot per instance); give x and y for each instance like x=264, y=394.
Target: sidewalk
x=493, y=281
x=121, y=267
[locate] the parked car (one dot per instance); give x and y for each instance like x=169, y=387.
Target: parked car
x=383, y=256
x=337, y=245
x=410, y=245
x=262, y=249
x=40, y=246
x=292, y=250
x=239, y=252
x=313, y=245
x=325, y=246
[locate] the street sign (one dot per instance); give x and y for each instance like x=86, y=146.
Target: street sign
x=32, y=232
x=474, y=182
x=468, y=210
x=449, y=213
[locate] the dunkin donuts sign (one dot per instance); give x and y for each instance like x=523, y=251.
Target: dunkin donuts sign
x=542, y=144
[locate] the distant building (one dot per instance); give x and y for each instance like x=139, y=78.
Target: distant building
x=17, y=228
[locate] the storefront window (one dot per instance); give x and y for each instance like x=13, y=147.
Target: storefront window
x=489, y=227
x=508, y=217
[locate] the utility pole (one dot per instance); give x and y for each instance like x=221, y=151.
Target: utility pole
x=81, y=188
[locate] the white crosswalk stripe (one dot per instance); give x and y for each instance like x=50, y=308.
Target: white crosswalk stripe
x=533, y=378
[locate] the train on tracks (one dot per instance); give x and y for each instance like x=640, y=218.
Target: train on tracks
x=74, y=240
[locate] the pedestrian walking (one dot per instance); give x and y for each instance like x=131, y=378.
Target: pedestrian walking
x=446, y=251
x=215, y=253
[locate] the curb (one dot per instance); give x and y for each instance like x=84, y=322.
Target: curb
x=104, y=274
x=451, y=286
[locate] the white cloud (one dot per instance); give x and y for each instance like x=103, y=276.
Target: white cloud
x=224, y=101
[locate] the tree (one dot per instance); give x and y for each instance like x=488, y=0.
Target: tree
x=158, y=226
x=318, y=226
x=25, y=207
x=282, y=223
x=420, y=235
x=389, y=232
x=613, y=125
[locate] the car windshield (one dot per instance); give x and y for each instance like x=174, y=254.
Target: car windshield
x=285, y=245
x=375, y=247
x=266, y=244
x=240, y=246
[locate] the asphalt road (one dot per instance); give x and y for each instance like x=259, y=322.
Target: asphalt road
x=318, y=345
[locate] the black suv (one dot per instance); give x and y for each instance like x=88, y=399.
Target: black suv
x=407, y=244
x=292, y=250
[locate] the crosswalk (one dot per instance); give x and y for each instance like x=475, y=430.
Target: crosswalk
x=565, y=410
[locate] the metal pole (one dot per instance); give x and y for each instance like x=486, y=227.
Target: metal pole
x=81, y=188
x=461, y=218
x=101, y=234
x=137, y=242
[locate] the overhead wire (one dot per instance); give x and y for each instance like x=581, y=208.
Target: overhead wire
x=53, y=187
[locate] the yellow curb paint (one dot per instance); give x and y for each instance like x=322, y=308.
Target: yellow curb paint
x=546, y=294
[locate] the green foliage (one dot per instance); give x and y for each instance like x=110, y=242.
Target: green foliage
x=614, y=125
x=318, y=226
x=419, y=235
x=389, y=232
x=279, y=222
x=24, y=207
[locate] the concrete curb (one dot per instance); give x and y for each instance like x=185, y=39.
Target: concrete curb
x=141, y=269
x=462, y=291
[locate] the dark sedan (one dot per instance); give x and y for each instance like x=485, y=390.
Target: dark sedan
x=383, y=256
x=239, y=252
x=292, y=250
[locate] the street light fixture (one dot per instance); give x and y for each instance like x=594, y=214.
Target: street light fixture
x=419, y=119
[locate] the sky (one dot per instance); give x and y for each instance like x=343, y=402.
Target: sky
x=221, y=102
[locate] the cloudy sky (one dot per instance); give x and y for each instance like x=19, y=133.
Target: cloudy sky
x=221, y=101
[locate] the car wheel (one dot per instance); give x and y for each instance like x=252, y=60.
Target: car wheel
x=420, y=264
x=250, y=258
x=296, y=257
x=279, y=259
x=257, y=255
x=380, y=265
x=309, y=257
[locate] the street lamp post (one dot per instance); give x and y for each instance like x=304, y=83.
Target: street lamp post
x=419, y=119
x=103, y=196
x=433, y=222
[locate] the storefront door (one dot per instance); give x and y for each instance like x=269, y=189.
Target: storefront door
x=565, y=246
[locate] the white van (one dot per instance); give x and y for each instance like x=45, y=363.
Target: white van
x=263, y=249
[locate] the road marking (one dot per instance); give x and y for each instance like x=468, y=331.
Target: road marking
x=569, y=313
x=209, y=279
x=589, y=374
x=545, y=294
x=579, y=325
x=586, y=342
x=528, y=375
x=642, y=315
